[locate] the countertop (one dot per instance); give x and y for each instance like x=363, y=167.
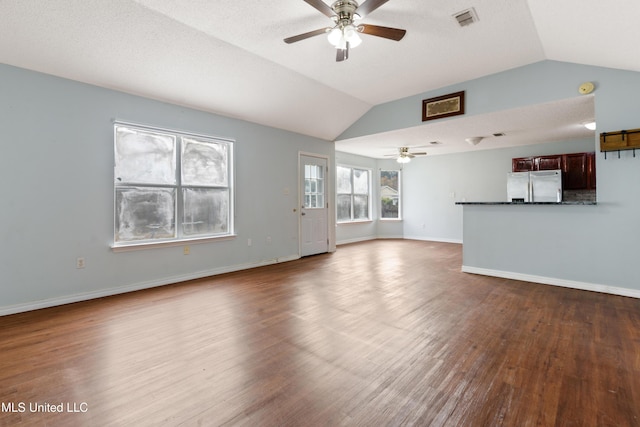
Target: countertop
x=573, y=203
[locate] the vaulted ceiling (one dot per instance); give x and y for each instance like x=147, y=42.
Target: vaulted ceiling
x=229, y=58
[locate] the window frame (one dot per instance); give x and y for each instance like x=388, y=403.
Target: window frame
x=352, y=193
x=399, y=172
x=180, y=238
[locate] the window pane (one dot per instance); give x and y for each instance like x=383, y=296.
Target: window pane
x=360, y=207
x=206, y=211
x=389, y=194
x=343, y=179
x=145, y=213
x=144, y=157
x=204, y=163
x=344, y=207
x=314, y=186
x=360, y=181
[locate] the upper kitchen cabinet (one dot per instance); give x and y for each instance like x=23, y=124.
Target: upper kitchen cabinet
x=548, y=163
x=522, y=164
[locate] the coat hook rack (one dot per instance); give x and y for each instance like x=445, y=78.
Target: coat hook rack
x=620, y=141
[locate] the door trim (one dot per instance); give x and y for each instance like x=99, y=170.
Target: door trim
x=330, y=197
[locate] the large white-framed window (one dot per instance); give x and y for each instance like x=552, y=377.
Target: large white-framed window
x=390, y=195
x=170, y=186
x=353, y=194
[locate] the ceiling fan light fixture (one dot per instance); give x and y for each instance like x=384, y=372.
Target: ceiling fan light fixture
x=334, y=36
x=346, y=15
x=351, y=35
x=339, y=37
x=403, y=159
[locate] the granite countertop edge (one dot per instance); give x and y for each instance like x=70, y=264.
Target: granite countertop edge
x=572, y=203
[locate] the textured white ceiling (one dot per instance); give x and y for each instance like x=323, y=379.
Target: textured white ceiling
x=543, y=123
x=228, y=57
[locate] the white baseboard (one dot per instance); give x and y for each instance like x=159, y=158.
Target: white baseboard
x=52, y=302
x=425, y=239
x=585, y=286
x=359, y=239
x=433, y=239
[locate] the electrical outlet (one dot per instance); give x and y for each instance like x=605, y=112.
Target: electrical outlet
x=186, y=250
x=249, y=242
x=79, y=263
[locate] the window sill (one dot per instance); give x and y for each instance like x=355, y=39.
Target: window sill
x=362, y=221
x=166, y=244
x=390, y=219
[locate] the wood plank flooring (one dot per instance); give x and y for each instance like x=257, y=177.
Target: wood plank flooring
x=380, y=333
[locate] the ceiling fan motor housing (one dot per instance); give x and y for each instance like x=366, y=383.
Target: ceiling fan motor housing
x=344, y=12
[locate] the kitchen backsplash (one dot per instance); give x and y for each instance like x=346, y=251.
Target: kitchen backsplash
x=579, y=195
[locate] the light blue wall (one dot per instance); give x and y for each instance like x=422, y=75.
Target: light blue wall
x=57, y=174
x=537, y=83
x=57, y=171
x=358, y=231
x=376, y=228
x=434, y=184
x=575, y=244
x=589, y=246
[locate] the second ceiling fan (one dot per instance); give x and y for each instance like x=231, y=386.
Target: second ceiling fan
x=344, y=35
x=404, y=155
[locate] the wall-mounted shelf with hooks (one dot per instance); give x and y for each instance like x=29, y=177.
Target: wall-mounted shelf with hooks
x=619, y=141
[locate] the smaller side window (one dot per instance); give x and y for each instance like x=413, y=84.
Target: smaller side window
x=390, y=194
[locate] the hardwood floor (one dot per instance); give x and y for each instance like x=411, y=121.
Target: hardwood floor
x=379, y=333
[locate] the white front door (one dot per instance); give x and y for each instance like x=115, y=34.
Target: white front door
x=314, y=212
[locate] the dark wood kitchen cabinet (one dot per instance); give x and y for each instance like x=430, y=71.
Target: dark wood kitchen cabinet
x=540, y=163
x=578, y=169
x=575, y=172
x=591, y=170
x=547, y=163
x=522, y=164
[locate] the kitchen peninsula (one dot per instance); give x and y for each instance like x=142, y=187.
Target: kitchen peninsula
x=529, y=241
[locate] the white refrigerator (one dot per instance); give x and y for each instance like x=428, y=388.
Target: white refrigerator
x=518, y=187
x=546, y=186
x=536, y=186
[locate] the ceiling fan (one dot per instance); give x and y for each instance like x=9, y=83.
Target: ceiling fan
x=344, y=34
x=405, y=156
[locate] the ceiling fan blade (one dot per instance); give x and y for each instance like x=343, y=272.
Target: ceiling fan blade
x=386, y=32
x=342, y=54
x=303, y=36
x=322, y=7
x=369, y=6
x=419, y=154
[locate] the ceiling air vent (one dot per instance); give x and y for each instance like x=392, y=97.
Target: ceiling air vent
x=466, y=17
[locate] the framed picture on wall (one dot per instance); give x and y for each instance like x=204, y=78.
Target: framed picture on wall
x=443, y=106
